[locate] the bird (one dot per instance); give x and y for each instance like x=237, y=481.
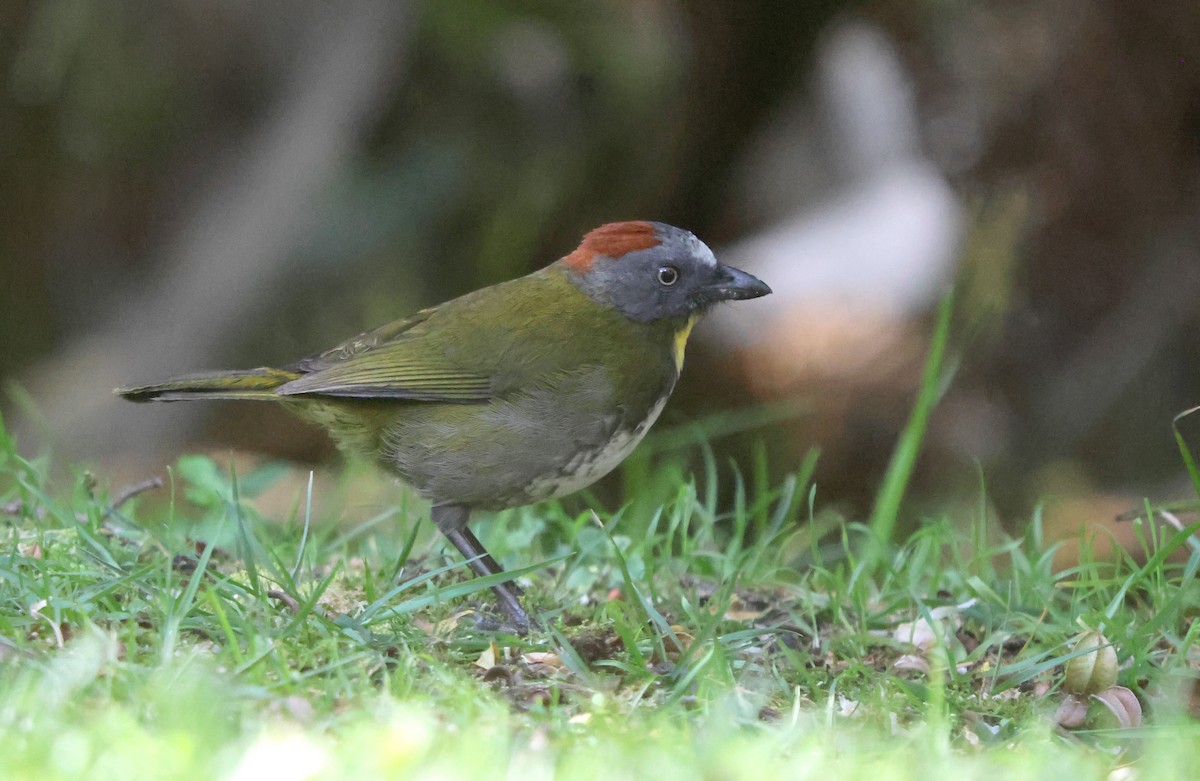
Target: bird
x=517, y=393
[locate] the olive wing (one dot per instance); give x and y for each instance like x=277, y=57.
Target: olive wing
x=405, y=359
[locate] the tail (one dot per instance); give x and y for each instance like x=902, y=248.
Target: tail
x=250, y=384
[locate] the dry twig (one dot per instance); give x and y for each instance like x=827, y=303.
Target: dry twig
x=130, y=491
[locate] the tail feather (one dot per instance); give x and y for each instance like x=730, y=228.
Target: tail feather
x=248, y=384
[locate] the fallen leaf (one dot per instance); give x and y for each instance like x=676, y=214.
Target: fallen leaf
x=487, y=659
x=542, y=657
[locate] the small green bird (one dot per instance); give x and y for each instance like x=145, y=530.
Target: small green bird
x=520, y=392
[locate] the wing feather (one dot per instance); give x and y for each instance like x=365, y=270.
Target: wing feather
x=456, y=353
x=395, y=361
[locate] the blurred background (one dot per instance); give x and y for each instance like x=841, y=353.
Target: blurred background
x=189, y=185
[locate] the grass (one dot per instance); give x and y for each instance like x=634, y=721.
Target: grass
x=688, y=635
x=192, y=638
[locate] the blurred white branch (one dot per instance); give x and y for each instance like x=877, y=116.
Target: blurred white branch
x=884, y=243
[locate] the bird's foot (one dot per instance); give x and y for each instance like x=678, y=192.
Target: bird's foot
x=508, y=595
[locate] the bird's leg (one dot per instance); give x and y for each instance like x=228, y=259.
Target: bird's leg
x=451, y=520
x=490, y=565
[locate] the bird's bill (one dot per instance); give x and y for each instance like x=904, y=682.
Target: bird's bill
x=731, y=284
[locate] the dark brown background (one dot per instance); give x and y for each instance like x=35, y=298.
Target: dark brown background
x=193, y=185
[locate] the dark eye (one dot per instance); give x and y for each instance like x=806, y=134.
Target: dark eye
x=667, y=275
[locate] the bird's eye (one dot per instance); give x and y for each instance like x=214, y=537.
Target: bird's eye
x=667, y=275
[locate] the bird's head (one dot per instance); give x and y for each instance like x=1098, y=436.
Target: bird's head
x=652, y=271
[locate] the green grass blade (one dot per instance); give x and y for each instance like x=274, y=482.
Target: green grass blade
x=886, y=510
x=1188, y=461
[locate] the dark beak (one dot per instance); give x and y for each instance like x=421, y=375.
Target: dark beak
x=731, y=284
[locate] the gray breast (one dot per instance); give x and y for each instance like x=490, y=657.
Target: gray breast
x=546, y=441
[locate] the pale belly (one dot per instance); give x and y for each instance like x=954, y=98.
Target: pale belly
x=589, y=466
x=517, y=451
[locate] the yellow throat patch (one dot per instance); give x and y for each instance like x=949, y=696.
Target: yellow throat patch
x=681, y=337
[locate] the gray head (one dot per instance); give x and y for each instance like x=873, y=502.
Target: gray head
x=654, y=271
